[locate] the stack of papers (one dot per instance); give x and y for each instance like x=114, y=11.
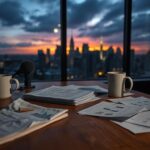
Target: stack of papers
x=22, y=118
x=129, y=112
x=69, y=95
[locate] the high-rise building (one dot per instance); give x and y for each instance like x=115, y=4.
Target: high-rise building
x=101, y=49
x=147, y=60
x=48, y=56
x=133, y=62
x=71, y=53
x=85, y=48
x=118, y=60
x=48, y=51
x=2, y=64
x=58, y=51
x=109, y=62
x=42, y=62
x=71, y=44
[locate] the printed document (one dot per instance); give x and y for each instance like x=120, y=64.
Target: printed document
x=136, y=129
x=138, y=101
x=111, y=110
x=139, y=123
x=16, y=122
x=142, y=118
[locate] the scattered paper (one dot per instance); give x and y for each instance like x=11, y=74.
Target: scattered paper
x=11, y=120
x=139, y=123
x=132, y=112
x=142, y=118
x=120, y=100
x=111, y=110
x=133, y=127
x=138, y=101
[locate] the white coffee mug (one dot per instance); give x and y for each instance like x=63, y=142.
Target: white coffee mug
x=6, y=85
x=116, y=84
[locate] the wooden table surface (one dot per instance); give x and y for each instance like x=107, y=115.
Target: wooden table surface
x=79, y=132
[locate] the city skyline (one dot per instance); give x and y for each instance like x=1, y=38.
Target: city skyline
x=95, y=47
x=29, y=25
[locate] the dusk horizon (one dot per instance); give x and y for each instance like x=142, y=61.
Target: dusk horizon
x=29, y=25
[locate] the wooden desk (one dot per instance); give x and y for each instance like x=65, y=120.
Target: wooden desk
x=79, y=132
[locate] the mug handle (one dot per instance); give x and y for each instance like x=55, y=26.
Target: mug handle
x=131, y=84
x=16, y=82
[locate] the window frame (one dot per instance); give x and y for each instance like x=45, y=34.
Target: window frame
x=126, y=37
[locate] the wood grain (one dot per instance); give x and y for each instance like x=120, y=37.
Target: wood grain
x=79, y=132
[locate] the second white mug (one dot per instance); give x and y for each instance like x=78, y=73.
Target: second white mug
x=116, y=84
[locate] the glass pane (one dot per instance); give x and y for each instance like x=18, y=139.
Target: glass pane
x=30, y=30
x=140, y=56
x=94, y=37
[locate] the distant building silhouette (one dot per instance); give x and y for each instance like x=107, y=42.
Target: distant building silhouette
x=109, y=62
x=132, y=62
x=48, y=56
x=147, y=61
x=85, y=48
x=2, y=65
x=118, y=60
x=42, y=63
x=72, y=45
x=101, y=50
x=71, y=54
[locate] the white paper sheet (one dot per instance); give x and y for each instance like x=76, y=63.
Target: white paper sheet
x=142, y=118
x=120, y=100
x=94, y=88
x=133, y=127
x=111, y=110
x=138, y=101
x=61, y=92
x=11, y=120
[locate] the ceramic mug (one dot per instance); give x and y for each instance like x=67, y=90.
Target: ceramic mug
x=116, y=84
x=6, y=82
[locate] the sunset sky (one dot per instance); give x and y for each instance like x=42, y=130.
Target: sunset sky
x=28, y=25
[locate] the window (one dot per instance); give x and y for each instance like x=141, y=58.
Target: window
x=30, y=30
x=94, y=38
x=140, y=53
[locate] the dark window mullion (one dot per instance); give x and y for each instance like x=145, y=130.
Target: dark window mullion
x=63, y=14
x=127, y=36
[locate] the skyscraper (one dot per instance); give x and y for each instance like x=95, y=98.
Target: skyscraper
x=85, y=48
x=48, y=52
x=118, y=60
x=71, y=53
x=109, y=62
x=42, y=62
x=71, y=44
x=101, y=49
x=48, y=56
